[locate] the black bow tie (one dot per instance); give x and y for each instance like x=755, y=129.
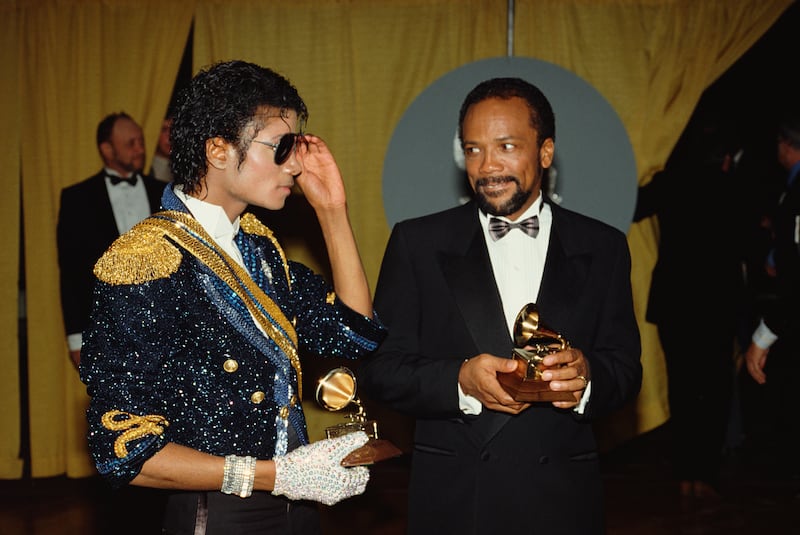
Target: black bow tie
x=500, y=227
x=117, y=179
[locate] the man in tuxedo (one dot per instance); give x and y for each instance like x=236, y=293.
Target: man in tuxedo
x=697, y=283
x=94, y=212
x=450, y=287
x=778, y=333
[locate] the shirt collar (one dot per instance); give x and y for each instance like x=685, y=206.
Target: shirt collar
x=211, y=217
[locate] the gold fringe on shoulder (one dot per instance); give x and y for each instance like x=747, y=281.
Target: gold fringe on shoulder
x=140, y=255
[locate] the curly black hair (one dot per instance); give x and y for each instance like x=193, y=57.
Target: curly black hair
x=542, y=117
x=223, y=100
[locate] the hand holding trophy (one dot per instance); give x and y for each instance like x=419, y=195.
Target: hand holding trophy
x=335, y=391
x=533, y=341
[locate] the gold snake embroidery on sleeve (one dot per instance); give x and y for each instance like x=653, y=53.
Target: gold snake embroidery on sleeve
x=134, y=427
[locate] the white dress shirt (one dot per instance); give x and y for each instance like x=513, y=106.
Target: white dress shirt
x=518, y=260
x=129, y=203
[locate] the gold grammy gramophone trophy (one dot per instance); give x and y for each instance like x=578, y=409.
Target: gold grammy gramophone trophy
x=335, y=391
x=532, y=342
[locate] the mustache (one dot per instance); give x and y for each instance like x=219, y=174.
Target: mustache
x=492, y=180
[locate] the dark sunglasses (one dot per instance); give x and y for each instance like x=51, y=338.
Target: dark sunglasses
x=285, y=146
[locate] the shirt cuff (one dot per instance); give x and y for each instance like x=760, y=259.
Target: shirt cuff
x=74, y=341
x=763, y=337
x=468, y=404
x=581, y=406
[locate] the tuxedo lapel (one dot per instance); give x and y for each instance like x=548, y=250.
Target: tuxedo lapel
x=564, y=272
x=470, y=278
x=468, y=273
x=99, y=202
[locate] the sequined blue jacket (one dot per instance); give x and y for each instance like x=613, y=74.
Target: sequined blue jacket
x=173, y=355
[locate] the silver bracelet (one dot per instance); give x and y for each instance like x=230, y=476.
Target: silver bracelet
x=238, y=475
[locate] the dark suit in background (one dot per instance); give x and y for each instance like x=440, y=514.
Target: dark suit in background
x=697, y=295
x=91, y=216
x=86, y=228
x=774, y=363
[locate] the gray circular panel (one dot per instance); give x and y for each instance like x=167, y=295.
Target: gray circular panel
x=595, y=169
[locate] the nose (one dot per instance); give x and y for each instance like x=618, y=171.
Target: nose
x=489, y=163
x=292, y=166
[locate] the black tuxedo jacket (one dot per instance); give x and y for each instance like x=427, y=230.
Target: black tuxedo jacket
x=783, y=316
x=536, y=472
x=86, y=228
x=697, y=279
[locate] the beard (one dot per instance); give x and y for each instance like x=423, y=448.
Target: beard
x=135, y=165
x=516, y=202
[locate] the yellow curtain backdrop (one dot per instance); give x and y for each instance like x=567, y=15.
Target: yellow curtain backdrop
x=10, y=458
x=83, y=60
x=358, y=64
x=652, y=60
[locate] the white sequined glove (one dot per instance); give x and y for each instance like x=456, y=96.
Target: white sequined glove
x=314, y=472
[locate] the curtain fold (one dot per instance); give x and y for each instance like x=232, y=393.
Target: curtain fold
x=82, y=60
x=358, y=64
x=10, y=117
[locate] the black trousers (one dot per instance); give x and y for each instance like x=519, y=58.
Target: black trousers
x=214, y=513
x=700, y=367
x=769, y=411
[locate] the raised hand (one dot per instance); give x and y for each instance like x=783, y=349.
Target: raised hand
x=321, y=179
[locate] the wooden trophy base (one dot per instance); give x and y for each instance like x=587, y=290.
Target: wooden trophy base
x=376, y=449
x=527, y=389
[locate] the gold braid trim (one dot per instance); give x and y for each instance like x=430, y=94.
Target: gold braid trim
x=250, y=224
x=134, y=427
x=138, y=256
x=174, y=224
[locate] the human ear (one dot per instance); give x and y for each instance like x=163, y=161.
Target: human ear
x=546, y=152
x=217, y=152
x=106, y=151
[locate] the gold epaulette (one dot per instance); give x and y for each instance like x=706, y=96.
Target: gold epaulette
x=140, y=255
x=250, y=224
